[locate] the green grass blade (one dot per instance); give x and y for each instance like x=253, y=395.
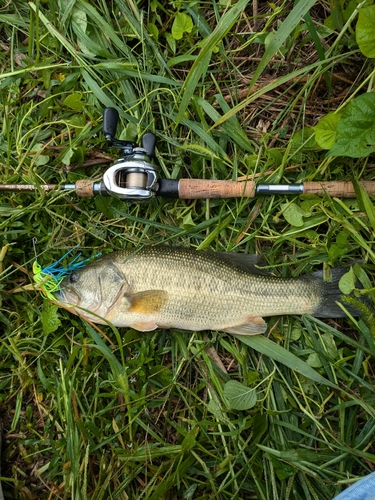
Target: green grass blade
x=281, y=355
x=281, y=35
x=201, y=63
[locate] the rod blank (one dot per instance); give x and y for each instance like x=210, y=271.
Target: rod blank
x=193, y=189
x=27, y=187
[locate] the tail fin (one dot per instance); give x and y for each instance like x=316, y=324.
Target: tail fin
x=328, y=307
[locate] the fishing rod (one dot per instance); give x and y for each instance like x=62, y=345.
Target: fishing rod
x=134, y=177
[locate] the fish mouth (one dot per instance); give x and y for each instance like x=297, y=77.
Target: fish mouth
x=68, y=296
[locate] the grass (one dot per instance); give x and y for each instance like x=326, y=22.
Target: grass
x=101, y=413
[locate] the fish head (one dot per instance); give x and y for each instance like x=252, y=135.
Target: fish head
x=93, y=289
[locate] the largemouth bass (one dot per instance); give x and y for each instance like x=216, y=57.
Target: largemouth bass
x=168, y=287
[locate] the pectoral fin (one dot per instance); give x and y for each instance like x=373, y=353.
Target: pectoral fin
x=254, y=326
x=147, y=302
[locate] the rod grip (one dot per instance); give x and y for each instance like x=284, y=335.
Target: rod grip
x=337, y=189
x=192, y=189
x=85, y=188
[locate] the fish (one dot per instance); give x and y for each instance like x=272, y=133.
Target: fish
x=173, y=287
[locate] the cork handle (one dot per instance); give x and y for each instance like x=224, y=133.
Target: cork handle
x=338, y=189
x=84, y=188
x=192, y=189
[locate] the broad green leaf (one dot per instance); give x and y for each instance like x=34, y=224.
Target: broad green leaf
x=347, y=282
x=84, y=41
x=327, y=339
x=260, y=426
x=281, y=355
x=282, y=469
x=342, y=238
x=336, y=251
x=355, y=131
x=74, y=101
x=365, y=31
x=79, y=18
x=366, y=202
x=39, y=158
x=13, y=20
x=66, y=159
x=161, y=374
x=329, y=343
x=239, y=396
x=325, y=130
x=215, y=408
x=49, y=317
x=294, y=214
x=153, y=29
x=78, y=122
x=130, y=132
x=304, y=139
x=182, y=24
x=171, y=42
x=187, y=221
x=189, y=441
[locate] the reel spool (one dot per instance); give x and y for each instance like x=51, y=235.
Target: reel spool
x=131, y=180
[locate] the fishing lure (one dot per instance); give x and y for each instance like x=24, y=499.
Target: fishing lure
x=49, y=278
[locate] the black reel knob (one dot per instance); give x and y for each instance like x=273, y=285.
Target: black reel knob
x=110, y=121
x=148, y=144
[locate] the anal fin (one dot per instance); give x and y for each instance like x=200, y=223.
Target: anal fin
x=255, y=325
x=146, y=326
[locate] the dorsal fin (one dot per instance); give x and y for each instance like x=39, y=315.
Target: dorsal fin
x=250, y=263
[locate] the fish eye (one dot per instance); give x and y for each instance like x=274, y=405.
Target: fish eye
x=73, y=278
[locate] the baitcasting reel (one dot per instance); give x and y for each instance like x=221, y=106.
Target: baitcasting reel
x=132, y=177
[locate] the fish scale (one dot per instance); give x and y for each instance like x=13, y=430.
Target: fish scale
x=169, y=287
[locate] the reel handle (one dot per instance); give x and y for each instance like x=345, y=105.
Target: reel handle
x=110, y=121
x=148, y=144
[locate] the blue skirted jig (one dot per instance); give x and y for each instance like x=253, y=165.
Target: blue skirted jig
x=50, y=277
